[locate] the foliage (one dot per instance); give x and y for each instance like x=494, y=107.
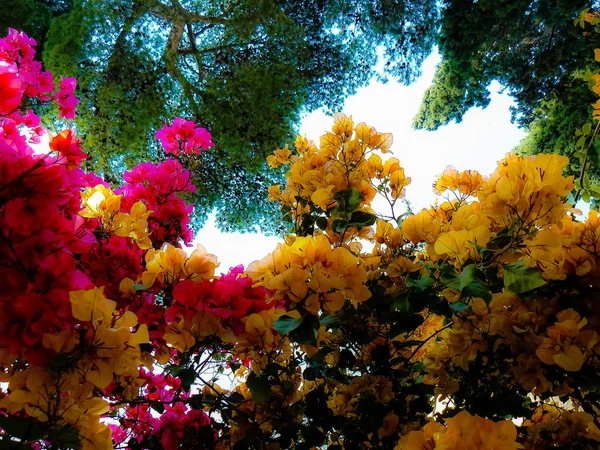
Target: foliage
x=531, y=48
x=478, y=310
x=32, y=16
x=244, y=69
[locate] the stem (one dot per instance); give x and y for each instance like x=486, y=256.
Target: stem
x=584, y=165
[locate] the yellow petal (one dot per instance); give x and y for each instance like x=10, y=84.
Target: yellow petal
x=91, y=305
x=570, y=359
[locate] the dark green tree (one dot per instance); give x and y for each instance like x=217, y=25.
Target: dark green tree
x=534, y=50
x=244, y=69
x=530, y=47
x=32, y=16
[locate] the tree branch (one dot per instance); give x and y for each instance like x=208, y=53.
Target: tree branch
x=170, y=57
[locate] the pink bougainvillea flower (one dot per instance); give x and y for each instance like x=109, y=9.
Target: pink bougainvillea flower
x=184, y=136
x=11, y=88
x=65, y=98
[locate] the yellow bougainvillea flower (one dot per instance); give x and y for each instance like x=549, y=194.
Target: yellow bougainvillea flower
x=99, y=202
x=421, y=227
x=390, y=423
x=342, y=125
x=529, y=190
x=466, y=182
x=562, y=347
x=92, y=305
x=323, y=197
x=309, y=271
x=463, y=431
x=279, y=157
x=171, y=264
x=385, y=233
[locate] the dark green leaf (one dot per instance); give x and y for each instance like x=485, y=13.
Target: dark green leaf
x=425, y=282
x=347, y=202
x=458, y=306
x=321, y=223
x=22, y=427
x=260, y=387
x=466, y=282
x=307, y=332
x=339, y=225
x=187, y=377
x=285, y=324
x=330, y=321
x=360, y=219
x=67, y=437
x=236, y=397
x=520, y=278
x=402, y=303
x=593, y=153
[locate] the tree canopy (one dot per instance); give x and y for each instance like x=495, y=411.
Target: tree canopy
x=532, y=48
x=245, y=70
x=535, y=51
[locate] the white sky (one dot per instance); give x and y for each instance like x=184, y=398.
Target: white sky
x=481, y=139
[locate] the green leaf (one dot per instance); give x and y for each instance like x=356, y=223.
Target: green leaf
x=187, y=377
x=339, y=225
x=360, y=219
x=67, y=438
x=402, y=303
x=236, y=397
x=21, y=427
x=467, y=282
x=466, y=277
x=321, y=223
x=585, y=196
x=587, y=128
x=423, y=283
x=458, y=306
x=347, y=202
x=593, y=153
x=260, y=387
x=286, y=324
x=307, y=332
x=519, y=278
x=330, y=321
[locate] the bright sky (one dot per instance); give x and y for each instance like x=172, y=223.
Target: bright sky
x=481, y=139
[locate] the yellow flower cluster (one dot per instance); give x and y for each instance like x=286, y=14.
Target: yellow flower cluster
x=345, y=160
x=566, y=344
x=184, y=333
x=171, y=264
x=345, y=397
x=566, y=248
x=528, y=328
x=562, y=426
x=312, y=274
x=101, y=203
x=102, y=348
x=466, y=182
x=526, y=191
x=450, y=230
x=67, y=401
x=463, y=432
